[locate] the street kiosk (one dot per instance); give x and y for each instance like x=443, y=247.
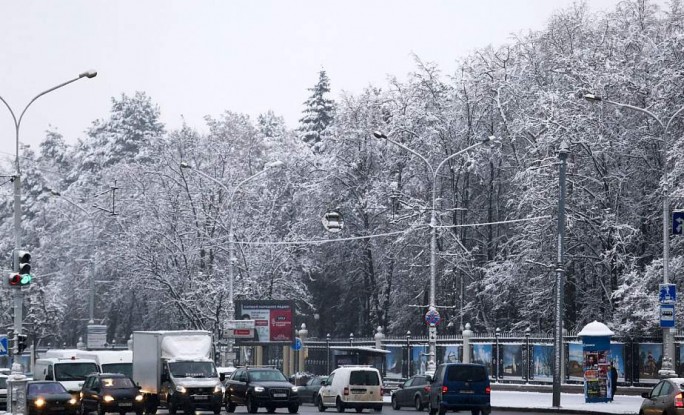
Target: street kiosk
x=597, y=362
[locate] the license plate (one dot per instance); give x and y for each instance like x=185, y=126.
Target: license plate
x=467, y=391
x=201, y=397
x=279, y=395
x=125, y=404
x=356, y=392
x=57, y=408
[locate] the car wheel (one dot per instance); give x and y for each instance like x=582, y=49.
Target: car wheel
x=252, y=406
x=418, y=404
x=319, y=403
x=293, y=409
x=100, y=409
x=475, y=412
x=313, y=397
x=171, y=407
x=378, y=408
x=339, y=405
x=395, y=403
x=230, y=407
x=217, y=409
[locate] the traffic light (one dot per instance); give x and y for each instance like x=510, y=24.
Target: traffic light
x=23, y=342
x=22, y=275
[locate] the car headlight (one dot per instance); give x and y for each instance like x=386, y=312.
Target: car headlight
x=73, y=401
x=180, y=389
x=295, y=389
x=218, y=389
x=39, y=402
x=258, y=389
x=108, y=398
x=138, y=398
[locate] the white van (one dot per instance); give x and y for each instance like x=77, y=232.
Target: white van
x=109, y=361
x=357, y=387
x=70, y=372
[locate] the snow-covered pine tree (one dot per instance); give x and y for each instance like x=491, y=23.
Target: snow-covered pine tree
x=319, y=111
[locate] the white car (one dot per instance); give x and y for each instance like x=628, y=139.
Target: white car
x=357, y=387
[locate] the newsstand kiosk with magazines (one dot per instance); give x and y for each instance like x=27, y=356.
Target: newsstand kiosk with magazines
x=596, y=356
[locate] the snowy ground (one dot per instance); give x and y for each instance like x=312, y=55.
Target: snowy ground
x=623, y=404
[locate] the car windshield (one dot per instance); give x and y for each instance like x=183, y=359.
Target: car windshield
x=45, y=388
x=462, y=373
x=117, y=383
x=193, y=369
x=123, y=368
x=261, y=375
x=74, y=371
x=364, y=377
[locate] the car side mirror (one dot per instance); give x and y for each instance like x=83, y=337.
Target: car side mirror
x=401, y=386
x=646, y=395
x=222, y=377
x=429, y=379
x=48, y=377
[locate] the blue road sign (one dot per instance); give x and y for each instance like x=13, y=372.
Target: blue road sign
x=677, y=222
x=667, y=316
x=432, y=317
x=297, y=344
x=3, y=346
x=667, y=294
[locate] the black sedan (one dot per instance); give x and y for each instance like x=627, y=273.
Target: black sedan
x=49, y=397
x=309, y=392
x=415, y=392
x=110, y=392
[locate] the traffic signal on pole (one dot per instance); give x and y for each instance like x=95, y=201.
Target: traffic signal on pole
x=22, y=275
x=22, y=342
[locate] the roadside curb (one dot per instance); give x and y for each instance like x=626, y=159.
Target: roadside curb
x=551, y=410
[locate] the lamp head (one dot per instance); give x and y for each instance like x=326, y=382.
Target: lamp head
x=88, y=74
x=379, y=134
x=274, y=164
x=592, y=97
x=185, y=165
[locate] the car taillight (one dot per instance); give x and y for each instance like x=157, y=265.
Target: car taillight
x=445, y=389
x=679, y=401
x=426, y=389
x=488, y=390
x=346, y=391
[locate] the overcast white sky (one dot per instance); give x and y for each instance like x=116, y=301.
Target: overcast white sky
x=197, y=58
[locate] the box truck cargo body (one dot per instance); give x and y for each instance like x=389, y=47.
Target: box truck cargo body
x=174, y=369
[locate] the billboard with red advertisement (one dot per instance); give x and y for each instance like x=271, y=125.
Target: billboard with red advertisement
x=273, y=319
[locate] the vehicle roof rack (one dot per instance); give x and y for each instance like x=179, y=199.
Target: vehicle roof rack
x=356, y=366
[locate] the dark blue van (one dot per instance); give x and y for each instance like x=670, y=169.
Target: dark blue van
x=460, y=387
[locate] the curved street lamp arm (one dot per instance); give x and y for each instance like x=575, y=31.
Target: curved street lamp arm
x=415, y=153
x=667, y=127
x=642, y=110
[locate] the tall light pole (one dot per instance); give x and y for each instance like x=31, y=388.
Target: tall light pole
x=91, y=280
x=563, y=153
x=231, y=244
x=432, y=307
x=18, y=295
x=667, y=367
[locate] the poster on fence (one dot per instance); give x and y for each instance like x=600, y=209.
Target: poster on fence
x=512, y=360
x=419, y=359
x=542, y=367
x=396, y=362
x=617, y=357
x=650, y=361
x=482, y=354
x=449, y=354
x=575, y=361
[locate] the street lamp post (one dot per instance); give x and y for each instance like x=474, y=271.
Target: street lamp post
x=668, y=338
x=231, y=243
x=18, y=295
x=351, y=339
x=560, y=280
x=327, y=348
x=528, y=354
x=408, y=354
x=497, y=333
x=432, y=338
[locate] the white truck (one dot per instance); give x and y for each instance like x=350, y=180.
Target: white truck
x=174, y=369
x=70, y=372
x=109, y=361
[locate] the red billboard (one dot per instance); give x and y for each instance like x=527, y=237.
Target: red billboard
x=273, y=319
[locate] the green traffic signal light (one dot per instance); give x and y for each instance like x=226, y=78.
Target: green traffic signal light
x=25, y=279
